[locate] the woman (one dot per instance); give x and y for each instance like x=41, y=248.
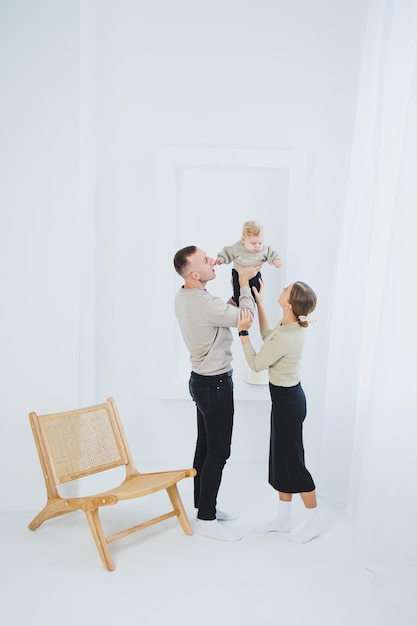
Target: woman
x=281, y=353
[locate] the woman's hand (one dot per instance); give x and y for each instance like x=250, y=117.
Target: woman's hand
x=245, y=320
x=258, y=295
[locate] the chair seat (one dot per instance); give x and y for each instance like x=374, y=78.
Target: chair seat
x=140, y=485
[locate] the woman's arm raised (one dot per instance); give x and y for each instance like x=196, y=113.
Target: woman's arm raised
x=258, y=295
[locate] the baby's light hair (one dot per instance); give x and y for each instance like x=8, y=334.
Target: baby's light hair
x=252, y=229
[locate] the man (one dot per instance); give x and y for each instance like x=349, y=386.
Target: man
x=205, y=323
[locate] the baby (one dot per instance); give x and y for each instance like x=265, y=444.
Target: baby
x=249, y=250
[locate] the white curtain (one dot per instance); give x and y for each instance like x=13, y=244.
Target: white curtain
x=370, y=423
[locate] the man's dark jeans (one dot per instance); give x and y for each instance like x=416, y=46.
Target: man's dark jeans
x=213, y=396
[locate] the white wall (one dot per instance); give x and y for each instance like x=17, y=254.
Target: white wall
x=265, y=75
x=39, y=229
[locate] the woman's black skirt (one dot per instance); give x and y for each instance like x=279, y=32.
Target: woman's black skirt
x=287, y=472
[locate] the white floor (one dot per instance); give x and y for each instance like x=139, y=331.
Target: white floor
x=54, y=576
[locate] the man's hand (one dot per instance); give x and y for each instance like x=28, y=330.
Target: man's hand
x=247, y=272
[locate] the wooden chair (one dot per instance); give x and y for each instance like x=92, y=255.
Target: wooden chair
x=82, y=442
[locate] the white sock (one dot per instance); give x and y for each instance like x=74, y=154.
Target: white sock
x=214, y=530
x=281, y=523
x=310, y=530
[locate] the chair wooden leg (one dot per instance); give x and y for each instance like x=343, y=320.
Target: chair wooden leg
x=41, y=517
x=176, y=502
x=100, y=538
x=53, y=508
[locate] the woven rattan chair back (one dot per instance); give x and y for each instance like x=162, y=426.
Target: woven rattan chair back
x=81, y=442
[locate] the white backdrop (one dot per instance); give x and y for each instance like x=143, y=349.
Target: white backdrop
x=95, y=93
x=370, y=416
